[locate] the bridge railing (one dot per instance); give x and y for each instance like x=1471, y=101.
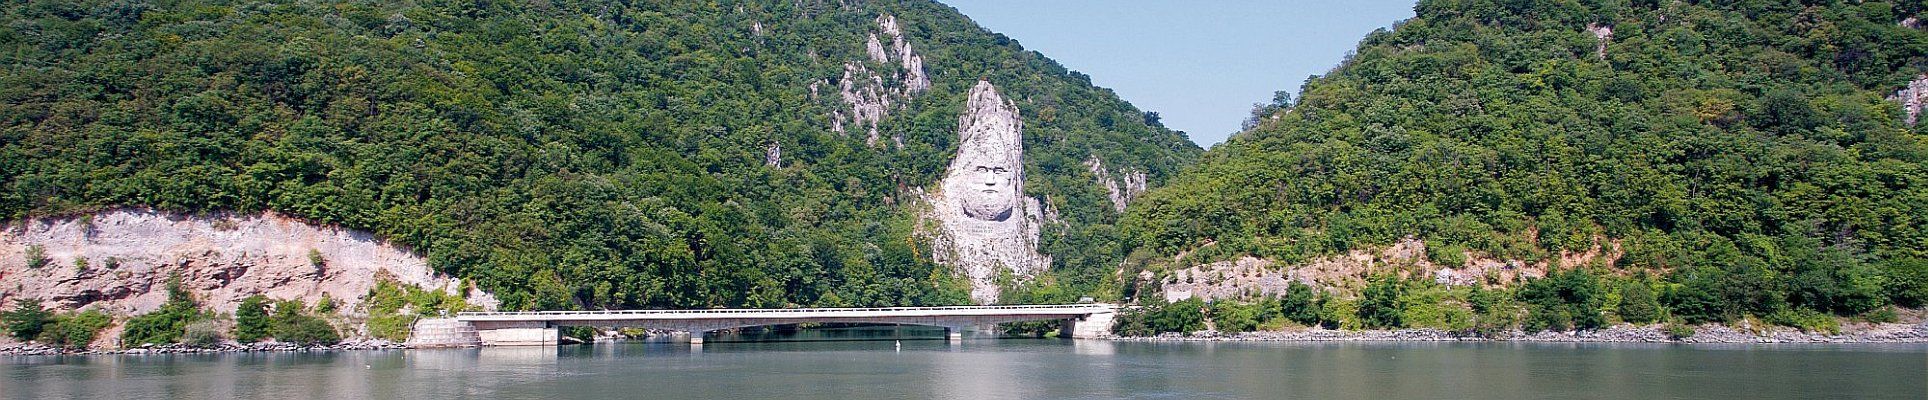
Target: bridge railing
x=1042, y=307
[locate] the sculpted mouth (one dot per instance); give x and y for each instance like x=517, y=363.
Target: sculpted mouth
x=989, y=191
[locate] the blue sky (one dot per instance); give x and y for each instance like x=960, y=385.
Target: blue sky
x=1199, y=64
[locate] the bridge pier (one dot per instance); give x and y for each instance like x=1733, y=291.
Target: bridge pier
x=517, y=333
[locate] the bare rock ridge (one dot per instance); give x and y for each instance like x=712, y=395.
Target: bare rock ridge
x=986, y=225
x=866, y=95
x=221, y=259
x=1252, y=276
x=1121, y=192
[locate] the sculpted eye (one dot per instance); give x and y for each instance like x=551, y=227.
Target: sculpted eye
x=981, y=168
x=1000, y=170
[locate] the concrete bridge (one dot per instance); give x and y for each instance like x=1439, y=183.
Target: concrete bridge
x=541, y=328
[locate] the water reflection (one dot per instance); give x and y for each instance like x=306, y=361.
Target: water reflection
x=834, y=365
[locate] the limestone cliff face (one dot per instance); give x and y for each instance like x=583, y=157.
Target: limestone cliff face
x=986, y=225
x=1121, y=191
x=867, y=97
x=1912, y=98
x=221, y=259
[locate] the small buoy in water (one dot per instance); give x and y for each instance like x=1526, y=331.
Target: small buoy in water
x=900, y=345
x=366, y=366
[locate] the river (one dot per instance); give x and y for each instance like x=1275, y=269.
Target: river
x=835, y=364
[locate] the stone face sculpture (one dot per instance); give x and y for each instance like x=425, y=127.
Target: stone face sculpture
x=988, y=225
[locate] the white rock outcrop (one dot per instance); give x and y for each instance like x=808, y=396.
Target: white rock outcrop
x=987, y=226
x=1121, y=192
x=1912, y=98
x=1604, y=33
x=867, y=98
x=130, y=254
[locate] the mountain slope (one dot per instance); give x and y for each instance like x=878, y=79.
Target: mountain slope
x=563, y=154
x=1745, y=155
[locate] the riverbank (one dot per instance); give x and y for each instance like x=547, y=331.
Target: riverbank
x=1624, y=333
x=36, y=349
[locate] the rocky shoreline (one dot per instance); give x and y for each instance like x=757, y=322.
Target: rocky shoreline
x=1885, y=333
x=36, y=349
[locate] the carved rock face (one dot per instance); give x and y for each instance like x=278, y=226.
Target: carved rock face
x=984, y=179
x=987, y=226
x=986, y=185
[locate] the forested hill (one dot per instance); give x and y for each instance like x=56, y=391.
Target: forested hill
x=564, y=153
x=1743, y=154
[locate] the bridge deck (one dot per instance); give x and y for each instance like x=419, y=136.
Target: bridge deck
x=1053, y=310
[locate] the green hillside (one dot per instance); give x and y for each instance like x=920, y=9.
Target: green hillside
x=1742, y=153
x=562, y=153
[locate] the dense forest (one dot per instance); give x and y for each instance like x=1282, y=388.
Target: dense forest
x=1743, y=154
x=561, y=153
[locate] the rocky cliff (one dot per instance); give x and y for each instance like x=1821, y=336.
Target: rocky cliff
x=987, y=225
x=117, y=261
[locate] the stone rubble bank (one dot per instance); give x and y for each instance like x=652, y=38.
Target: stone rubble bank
x=1886, y=333
x=37, y=349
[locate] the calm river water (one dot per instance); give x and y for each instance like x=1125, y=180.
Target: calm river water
x=727, y=367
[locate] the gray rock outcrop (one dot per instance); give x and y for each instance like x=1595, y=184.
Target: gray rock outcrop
x=221, y=259
x=867, y=97
x=1912, y=98
x=987, y=226
x=1121, y=191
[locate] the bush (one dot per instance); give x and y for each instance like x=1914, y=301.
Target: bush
x=1379, y=305
x=251, y=319
x=75, y=330
x=1231, y=316
x=167, y=324
x=1885, y=315
x=1678, y=331
x=1184, y=316
x=1638, y=304
x=289, y=324
x=308, y=331
x=37, y=256
x=204, y=333
x=27, y=319
x=80, y=264
x=1807, y=320
x=1907, y=284
x=1300, y=304
x=315, y=259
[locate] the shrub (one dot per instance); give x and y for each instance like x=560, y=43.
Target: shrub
x=37, y=256
x=1807, y=320
x=315, y=259
x=1677, y=331
x=167, y=324
x=27, y=319
x=289, y=324
x=1884, y=315
x=75, y=330
x=1379, y=305
x=1183, y=316
x=204, y=333
x=1231, y=316
x=1299, y=304
x=1638, y=304
x=1907, y=284
x=80, y=264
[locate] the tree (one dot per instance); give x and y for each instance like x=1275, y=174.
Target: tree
x=251, y=319
x=1638, y=303
x=27, y=319
x=1299, y=304
x=1379, y=305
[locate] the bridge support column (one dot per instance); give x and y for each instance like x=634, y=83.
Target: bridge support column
x=696, y=338
x=954, y=334
x=534, y=333
x=1095, y=325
